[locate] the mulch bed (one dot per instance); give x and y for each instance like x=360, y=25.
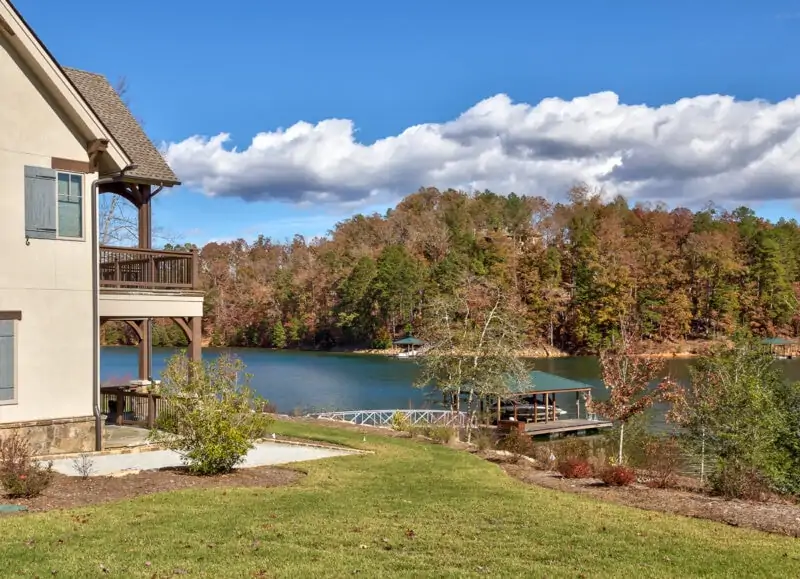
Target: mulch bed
x=771, y=516
x=67, y=492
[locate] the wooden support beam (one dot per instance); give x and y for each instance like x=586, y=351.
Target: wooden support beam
x=144, y=350
x=145, y=218
x=196, y=344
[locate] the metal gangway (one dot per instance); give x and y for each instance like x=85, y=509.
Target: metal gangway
x=385, y=418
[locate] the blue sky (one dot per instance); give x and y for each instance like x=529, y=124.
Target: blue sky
x=201, y=68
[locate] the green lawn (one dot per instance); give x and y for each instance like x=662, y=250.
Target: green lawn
x=409, y=510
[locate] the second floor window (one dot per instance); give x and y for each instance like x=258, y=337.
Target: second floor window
x=53, y=204
x=70, y=205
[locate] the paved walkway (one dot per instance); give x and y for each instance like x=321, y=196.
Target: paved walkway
x=265, y=453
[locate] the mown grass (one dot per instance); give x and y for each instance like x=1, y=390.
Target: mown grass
x=409, y=510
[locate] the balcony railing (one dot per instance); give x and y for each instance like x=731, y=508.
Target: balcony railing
x=135, y=268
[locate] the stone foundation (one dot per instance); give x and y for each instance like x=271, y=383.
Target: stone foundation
x=57, y=436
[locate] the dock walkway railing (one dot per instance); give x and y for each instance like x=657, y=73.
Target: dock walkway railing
x=384, y=418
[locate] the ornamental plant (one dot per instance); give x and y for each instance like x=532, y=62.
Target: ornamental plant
x=212, y=416
x=627, y=375
x=20, y=474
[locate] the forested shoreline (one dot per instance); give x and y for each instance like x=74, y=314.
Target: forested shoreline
x=573, y=270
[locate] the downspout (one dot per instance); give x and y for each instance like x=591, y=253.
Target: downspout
x=98, y=417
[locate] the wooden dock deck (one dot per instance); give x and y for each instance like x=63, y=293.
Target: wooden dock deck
x=568, y=425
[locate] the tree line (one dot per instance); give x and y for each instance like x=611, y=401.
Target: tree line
x=574, y=270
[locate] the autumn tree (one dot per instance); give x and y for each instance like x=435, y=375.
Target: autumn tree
x=473, y=341
x=628, y=376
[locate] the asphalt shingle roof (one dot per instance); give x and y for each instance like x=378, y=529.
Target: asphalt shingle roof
x=115, y=115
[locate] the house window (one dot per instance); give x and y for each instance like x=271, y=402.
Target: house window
x=8, y=356
x=53, y=204
x=70, y=205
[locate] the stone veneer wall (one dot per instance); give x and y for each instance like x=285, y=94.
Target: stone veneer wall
x=58, y=436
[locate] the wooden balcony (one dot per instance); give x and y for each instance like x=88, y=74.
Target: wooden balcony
x=148, y=269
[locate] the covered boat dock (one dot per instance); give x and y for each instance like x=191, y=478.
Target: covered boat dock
x=535, y=412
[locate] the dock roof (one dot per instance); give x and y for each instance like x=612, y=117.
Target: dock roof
x=546, y=383
x=409, y=341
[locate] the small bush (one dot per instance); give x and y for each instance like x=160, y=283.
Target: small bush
x=663, y=461
x=215, y=417
x=574, y=448
x=400, y=422
x=544, y=455
x=734, y=480
x=484, y=438
x=441, y=434
x=517, y=443
x=575, y=468
x=20, y=474
x=83, y=465
x=618, y=475
x=382, y=340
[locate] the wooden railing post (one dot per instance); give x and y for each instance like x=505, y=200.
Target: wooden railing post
x=195, y=265
x=151, y=411
x=120, y=407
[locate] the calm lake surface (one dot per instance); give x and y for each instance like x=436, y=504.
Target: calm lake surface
x=325, y=381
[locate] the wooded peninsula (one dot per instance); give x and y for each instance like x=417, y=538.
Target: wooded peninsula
x=574, y=269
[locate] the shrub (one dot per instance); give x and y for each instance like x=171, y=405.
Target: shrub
x=736, y=480
x=517, y=443
x=544, y=455
x=400, y=422
x=20, y=474
x=441, y=434
x=663, y=461
x=214, y=417
x=575, y=468
x=83, y=465
x=382, y=340
x=484, y=438
x=618, y=475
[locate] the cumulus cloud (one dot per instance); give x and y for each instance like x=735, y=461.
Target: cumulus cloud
x=710, y=147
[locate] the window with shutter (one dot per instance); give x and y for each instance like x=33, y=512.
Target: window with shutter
x=53, y=204
x=8, y=393
x=70, y=205
x=40, y=203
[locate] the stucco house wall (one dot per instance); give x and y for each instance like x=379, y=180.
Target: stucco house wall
x=48, y=280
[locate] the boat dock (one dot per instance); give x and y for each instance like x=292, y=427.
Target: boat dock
x=567, y=426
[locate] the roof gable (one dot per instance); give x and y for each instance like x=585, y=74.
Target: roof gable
x=108, y=106
x=44, y=66
x=91, y=104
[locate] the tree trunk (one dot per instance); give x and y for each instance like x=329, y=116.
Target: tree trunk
x=621, y=439
x=470, y=414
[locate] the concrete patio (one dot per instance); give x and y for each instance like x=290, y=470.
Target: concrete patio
x=264, y=454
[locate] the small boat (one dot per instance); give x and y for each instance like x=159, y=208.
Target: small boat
x=408, y=354
x=531, y=409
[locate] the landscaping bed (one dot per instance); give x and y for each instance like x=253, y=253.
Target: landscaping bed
x=773, y=516
x=68, y=491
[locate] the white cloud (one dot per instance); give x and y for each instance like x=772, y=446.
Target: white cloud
x=697, y=149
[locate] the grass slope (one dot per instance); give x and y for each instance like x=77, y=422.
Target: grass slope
x=410, y=510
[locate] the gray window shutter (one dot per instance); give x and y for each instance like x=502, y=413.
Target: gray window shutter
x=40, y=202
x=6, y=360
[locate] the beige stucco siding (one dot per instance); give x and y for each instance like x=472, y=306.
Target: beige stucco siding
x=49, y=281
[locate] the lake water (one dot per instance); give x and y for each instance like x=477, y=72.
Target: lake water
x=324, y=381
